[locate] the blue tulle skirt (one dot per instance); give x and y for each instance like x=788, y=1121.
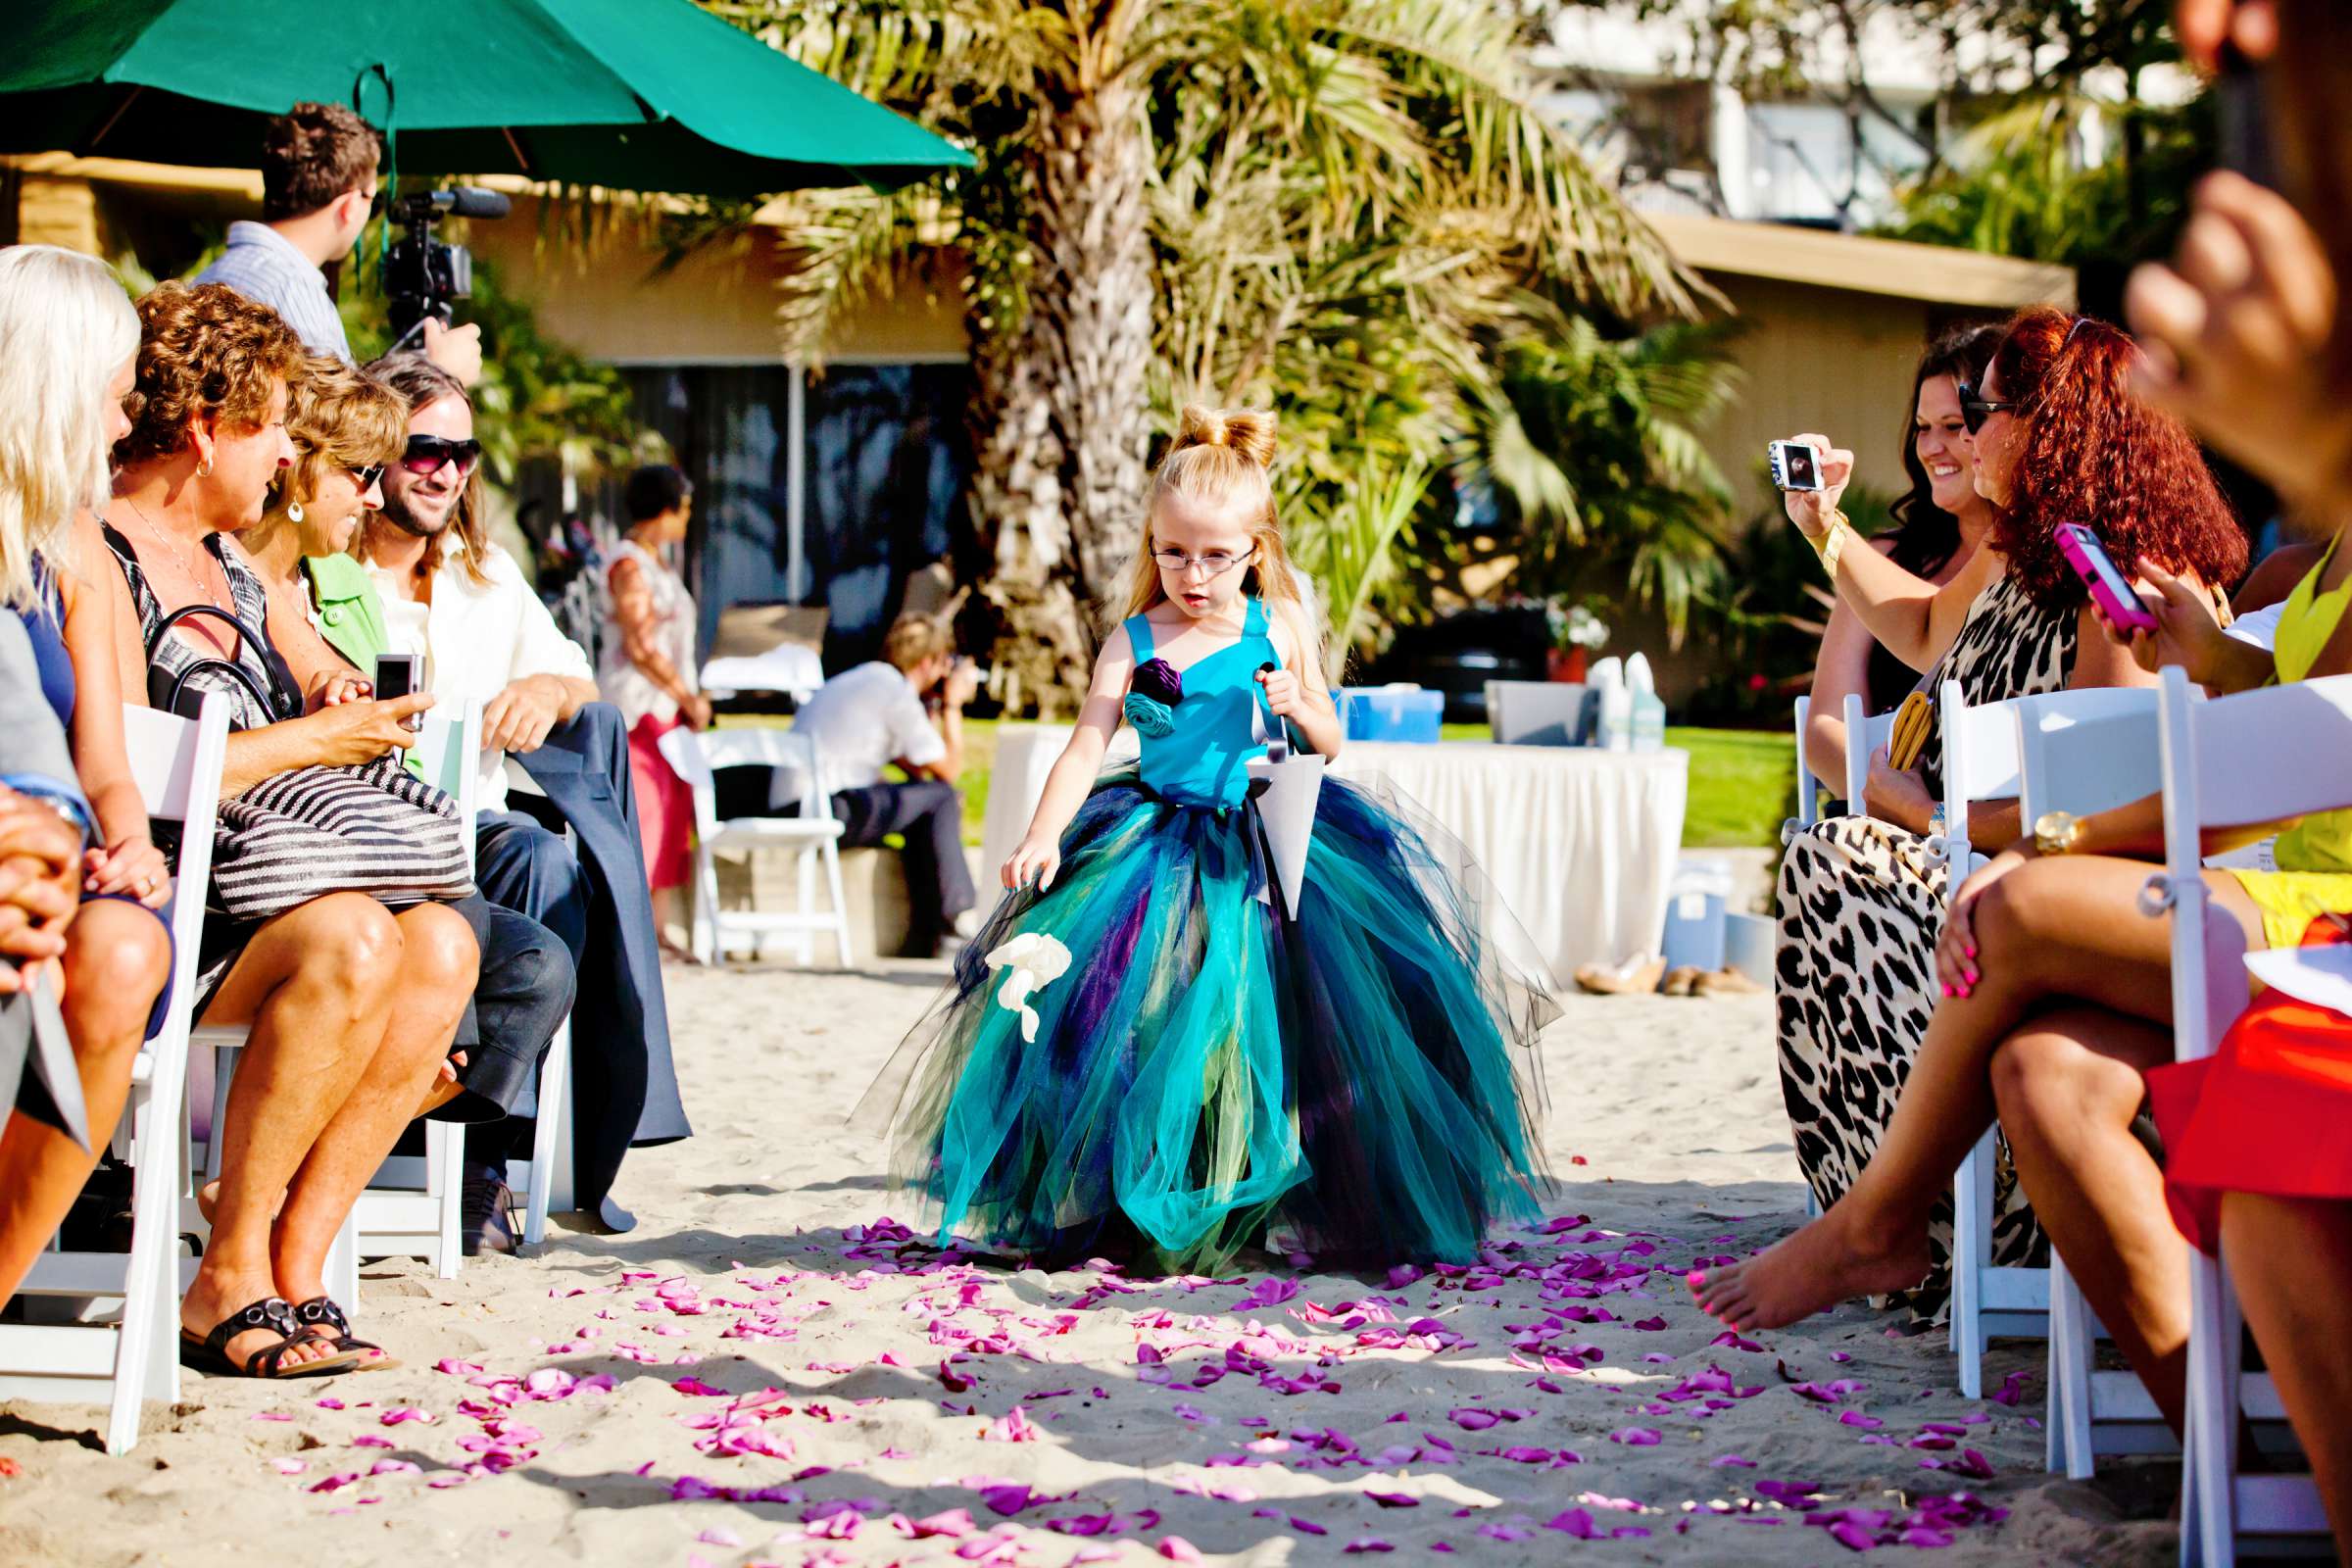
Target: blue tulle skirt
x=1207, y=1075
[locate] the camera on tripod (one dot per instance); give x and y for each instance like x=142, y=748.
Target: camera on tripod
x=423, y=275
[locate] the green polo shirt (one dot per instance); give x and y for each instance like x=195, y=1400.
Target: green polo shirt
x=351, y=615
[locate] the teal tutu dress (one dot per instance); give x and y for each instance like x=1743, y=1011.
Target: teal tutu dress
x=1203, y=1074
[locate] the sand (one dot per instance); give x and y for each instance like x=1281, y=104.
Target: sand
x=602, y=1402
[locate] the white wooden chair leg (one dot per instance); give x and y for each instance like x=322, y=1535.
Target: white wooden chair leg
x=445, y=1180
x=2208, y=1515
x=804, y=937
x=224, y=1069
x=841, y=904
x=562, y=1194
x=1971, y=1254
x=554, y=1082
x=146, y=1350
x=343, y=1265
x=706, y=907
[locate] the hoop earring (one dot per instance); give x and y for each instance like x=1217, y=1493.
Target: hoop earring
x=294, y=512
x=203, y=469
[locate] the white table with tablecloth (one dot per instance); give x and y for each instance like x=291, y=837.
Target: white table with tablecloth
x=1579, y=844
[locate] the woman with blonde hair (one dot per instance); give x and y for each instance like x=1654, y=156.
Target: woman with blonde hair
x=1220, y=1068
x=67, y=336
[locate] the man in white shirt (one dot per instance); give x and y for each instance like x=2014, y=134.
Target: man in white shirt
x=868, y=717
x=461, y=602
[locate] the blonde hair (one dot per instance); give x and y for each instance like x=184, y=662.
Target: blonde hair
x=913, y=638
x=1221, y=461
x=338, y=418
x=67, y=325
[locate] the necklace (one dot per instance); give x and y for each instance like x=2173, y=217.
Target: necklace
x=178, y=555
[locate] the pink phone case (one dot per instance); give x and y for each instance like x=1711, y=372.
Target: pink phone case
x=2084, y=554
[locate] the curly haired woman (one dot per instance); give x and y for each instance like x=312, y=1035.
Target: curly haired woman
x=2059, y=438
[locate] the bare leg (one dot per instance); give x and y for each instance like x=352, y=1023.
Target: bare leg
x=2069, y=1086
x=313, y=983
x=2291, y=1258
x=117, y=961
x=435, y=975
x=2051, y=928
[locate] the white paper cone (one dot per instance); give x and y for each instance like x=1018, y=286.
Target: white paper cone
x=1288, y=808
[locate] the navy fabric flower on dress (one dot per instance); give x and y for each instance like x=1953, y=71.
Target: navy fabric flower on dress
x=1151, y=697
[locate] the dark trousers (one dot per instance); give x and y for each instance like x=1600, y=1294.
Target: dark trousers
x=928, y=815
x=524, y=990
x=521, y=864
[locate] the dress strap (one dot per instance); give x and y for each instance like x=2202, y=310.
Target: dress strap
x=1255, y=622
x=1139, y=638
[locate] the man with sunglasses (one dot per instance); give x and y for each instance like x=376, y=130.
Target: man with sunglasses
x=448, y=592
x=319, y=189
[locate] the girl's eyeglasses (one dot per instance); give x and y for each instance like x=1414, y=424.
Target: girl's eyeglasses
x=1975, y=409
x=1216, y=562
x=427, y=453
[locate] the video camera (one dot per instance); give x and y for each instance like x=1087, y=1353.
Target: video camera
x=424, y=276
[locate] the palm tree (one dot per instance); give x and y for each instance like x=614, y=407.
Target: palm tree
x=1327, y=204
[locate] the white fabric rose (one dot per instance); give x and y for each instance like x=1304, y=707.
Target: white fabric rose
x=1032, y=959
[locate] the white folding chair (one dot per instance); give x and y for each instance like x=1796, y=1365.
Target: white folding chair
x=813, y=835
x=1863, y=735
x=2082, y=752
x=412, y=1208
x=1808, y=788
x=2258, y=757
x=177, y=765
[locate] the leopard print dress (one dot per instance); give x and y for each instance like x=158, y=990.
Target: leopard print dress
x=1861, y=905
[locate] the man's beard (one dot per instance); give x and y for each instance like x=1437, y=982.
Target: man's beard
x=396, y=513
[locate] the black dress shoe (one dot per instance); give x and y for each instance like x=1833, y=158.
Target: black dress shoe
x=485, y=1217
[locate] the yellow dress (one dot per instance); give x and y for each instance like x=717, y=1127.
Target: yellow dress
x=2314, y=857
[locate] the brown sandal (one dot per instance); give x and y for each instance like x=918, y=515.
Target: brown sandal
x=210, y=1353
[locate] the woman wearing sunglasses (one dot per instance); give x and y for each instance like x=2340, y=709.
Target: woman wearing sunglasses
x=347, y=427
x=2059, y=438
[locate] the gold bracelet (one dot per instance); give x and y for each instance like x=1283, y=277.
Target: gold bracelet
x=1832, y=543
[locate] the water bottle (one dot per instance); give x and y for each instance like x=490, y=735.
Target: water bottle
x=1648, y=716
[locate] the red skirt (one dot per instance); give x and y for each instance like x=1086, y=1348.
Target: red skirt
x=2270, y=1111
x=665, y=806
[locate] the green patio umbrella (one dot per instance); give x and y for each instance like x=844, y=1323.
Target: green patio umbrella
x=649, y=95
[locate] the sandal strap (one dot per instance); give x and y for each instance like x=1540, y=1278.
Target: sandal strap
x=321, y=1311
x=269, y=1312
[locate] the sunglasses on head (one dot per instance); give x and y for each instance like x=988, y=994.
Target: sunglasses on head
x=426, y=454
x=1974, y=410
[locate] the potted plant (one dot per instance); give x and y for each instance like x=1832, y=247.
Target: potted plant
x=1577, y=632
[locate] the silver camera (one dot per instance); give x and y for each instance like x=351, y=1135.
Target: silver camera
x=1794, y=465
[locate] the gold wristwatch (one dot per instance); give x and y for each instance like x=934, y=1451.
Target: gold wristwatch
x=2057, y=832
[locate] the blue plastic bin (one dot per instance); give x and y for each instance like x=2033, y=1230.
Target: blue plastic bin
x=1695, y=901
x=1406, y=714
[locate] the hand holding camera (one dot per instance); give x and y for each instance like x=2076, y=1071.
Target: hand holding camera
x=1812, y=475
x=962, y=683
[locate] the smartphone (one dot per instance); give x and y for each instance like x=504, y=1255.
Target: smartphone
x=2088, y=558
x=1794, y=465
x=399, y=676
x=2241, y=118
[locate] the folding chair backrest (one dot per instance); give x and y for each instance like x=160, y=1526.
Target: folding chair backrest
x=2088, y=750
x=2257, y=756
x=176, y=763
x=1808, y=788
x=695, y=758
x=448, y=749
x=1864, y=735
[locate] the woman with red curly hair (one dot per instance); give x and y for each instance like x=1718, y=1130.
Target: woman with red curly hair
x=2059, y=438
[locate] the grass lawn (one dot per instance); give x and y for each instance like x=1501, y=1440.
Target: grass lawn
x=1742, y=782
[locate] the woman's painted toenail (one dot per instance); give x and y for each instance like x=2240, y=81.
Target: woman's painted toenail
x=1696, y=1277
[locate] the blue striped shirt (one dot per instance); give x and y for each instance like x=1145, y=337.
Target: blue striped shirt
x=264, y=265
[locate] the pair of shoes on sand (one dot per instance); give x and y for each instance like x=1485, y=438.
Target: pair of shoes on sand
x=1691, y=981
x=1647, y=972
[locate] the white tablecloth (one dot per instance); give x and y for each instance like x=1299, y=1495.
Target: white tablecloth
x=1578, y=844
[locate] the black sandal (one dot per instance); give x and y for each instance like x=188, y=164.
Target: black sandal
x=321, y=1312
x=210, y=1353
